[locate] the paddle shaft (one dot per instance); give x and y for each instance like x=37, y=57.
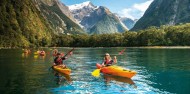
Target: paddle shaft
x=121, y=52
x=69, y=52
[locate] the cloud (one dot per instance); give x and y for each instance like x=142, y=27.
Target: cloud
x=136, y=11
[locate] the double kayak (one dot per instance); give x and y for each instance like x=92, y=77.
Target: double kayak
x=59, y=69
x=116, y=70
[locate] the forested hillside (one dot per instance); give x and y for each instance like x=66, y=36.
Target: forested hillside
x=21, y=25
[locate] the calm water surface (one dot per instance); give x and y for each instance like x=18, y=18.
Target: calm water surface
x=162, y=71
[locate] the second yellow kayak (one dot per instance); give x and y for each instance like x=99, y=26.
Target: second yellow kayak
x=66, y=71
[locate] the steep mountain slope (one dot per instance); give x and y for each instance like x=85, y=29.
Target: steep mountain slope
x=165, y=12
x=21, y=25
x=102, y=21
x=97, y=20
x=25, y=23
x=129, y=23
x=58, y=16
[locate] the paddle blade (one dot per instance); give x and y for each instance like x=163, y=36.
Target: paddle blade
x=121, y=52
x=96, y=73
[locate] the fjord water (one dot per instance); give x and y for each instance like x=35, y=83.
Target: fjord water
x=161, y=70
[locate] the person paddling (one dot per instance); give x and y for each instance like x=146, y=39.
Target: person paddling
x=108, y=60
x=58, y=61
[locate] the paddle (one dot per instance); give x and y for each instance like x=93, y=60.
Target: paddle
x=96, y=73
x=69, y=52
x=121, y=52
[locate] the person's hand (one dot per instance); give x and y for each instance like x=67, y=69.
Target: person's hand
x=115, y=59
x=70, y=53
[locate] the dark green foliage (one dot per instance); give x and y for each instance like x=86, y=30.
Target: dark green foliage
x=21, y=25
x=153, y=36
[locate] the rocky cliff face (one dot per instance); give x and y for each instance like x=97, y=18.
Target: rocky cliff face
x=165, y=12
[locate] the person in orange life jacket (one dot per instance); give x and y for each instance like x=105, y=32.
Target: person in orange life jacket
x=58, y=61
x=108, y=61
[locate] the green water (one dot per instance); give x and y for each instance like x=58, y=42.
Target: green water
x=161, y=70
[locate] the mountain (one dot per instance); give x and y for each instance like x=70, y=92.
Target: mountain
x=59, y=16
x=164, y=12
x=129, y=23
x=81, y=10
x=102, y=21
x=97, y=20
x=31, y=23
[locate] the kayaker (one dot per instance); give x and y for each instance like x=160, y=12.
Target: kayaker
x=58, y=61
x=108, y=60
x=42, y=53
x=55, y=52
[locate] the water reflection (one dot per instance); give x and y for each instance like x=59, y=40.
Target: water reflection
x=109, y=78
x=35, y=56
x=61, y=78
x=25, y=55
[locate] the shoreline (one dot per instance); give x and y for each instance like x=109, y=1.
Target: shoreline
x=160, y=47
x=152, y=47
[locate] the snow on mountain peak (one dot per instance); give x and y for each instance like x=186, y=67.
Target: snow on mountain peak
x=81, y=5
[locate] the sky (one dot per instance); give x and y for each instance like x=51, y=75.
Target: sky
x=133, y=9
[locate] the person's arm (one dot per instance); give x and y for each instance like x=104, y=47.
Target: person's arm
x=103, y=63
x=64, y=58
x=68, y=55
x=114, y=59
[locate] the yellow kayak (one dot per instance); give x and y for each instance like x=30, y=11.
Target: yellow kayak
x=66, y=71
x=116, y=70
